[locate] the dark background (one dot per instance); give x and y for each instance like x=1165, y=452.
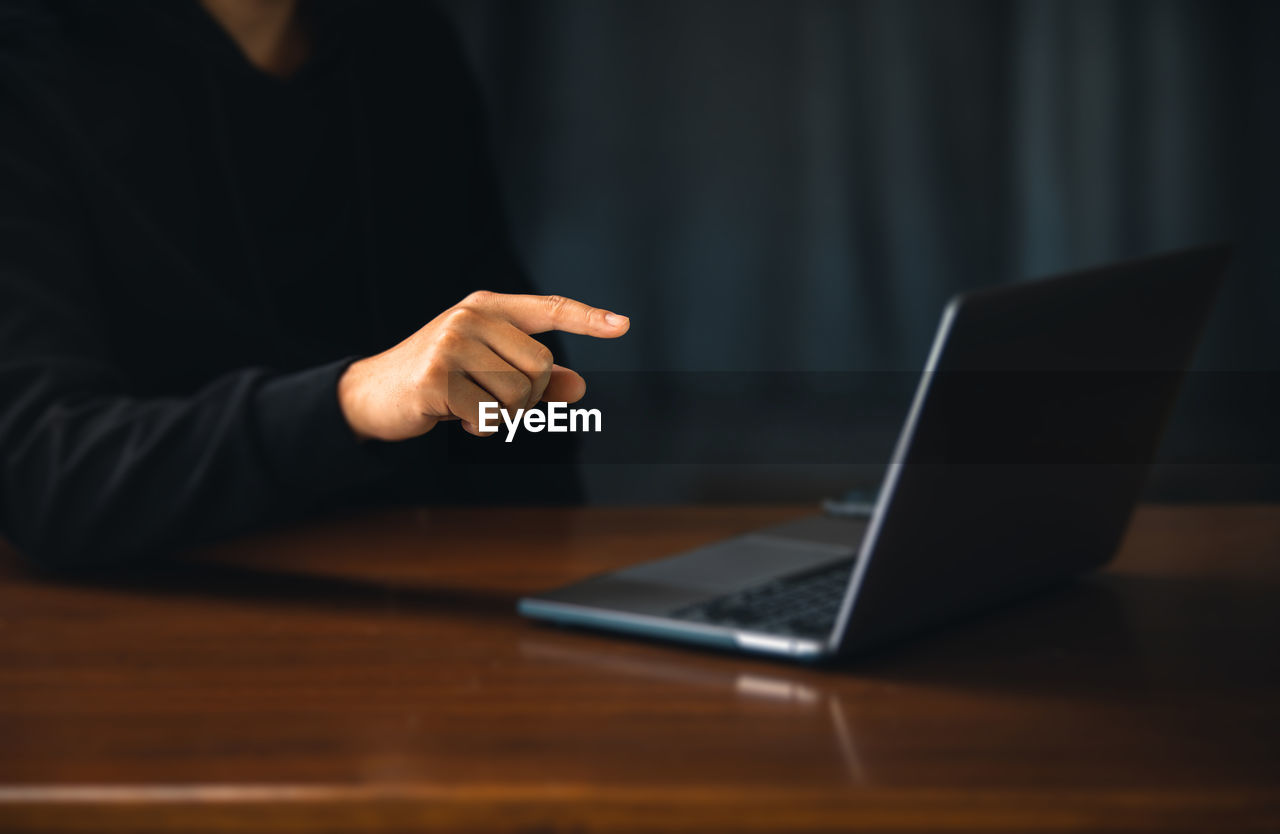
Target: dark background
x=799, y=185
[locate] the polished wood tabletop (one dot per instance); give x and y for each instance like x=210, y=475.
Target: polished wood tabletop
x=371, y=674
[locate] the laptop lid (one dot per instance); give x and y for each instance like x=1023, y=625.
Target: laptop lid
x=1029, y=439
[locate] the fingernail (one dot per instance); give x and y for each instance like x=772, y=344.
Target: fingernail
x=615, y=320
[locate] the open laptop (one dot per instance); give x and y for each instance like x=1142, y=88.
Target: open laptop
x=1018, y=466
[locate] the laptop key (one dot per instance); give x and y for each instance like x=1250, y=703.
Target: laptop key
x=805, y=604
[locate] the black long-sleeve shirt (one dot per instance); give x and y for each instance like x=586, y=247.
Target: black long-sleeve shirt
x=192, y=251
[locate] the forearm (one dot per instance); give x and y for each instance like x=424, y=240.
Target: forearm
x=103, y=479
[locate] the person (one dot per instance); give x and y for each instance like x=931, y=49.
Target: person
x=223, y=225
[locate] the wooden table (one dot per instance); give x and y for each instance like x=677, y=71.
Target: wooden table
x=371, y=674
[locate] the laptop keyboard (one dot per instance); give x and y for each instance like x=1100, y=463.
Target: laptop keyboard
x=800, y=605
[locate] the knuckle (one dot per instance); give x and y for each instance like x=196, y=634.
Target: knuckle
x=516, y=393
x=452, y=338
x=477, y=298
x=523, y=388
x=461, y=317
x=450, y=341
x=543, y=359
x=556, y=306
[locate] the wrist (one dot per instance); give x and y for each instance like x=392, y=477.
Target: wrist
x=351, y=399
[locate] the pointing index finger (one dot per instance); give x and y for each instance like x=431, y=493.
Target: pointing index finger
x=540, y=313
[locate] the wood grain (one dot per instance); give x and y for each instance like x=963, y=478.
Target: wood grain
x=370, y=674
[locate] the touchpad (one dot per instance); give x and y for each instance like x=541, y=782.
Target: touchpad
x=736, y=564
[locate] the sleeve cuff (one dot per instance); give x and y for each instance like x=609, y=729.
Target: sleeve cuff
x=305, y=438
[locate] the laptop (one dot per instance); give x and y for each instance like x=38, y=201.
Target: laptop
x=1018, y=466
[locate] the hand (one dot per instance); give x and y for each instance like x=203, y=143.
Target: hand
x=479, y=350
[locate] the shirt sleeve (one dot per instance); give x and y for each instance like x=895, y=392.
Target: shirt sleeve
x=91, y=474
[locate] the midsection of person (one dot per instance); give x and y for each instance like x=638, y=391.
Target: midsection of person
x=207, y=233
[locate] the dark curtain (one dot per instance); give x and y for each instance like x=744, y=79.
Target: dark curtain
x=800, y=184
